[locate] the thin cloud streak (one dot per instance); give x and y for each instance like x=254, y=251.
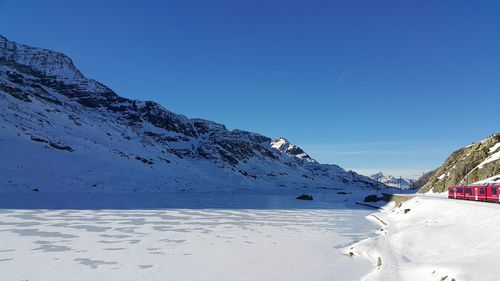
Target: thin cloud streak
x=382, y=143
x=383, y=148
x=398, y=158
x=341, y=77
x=370, y=152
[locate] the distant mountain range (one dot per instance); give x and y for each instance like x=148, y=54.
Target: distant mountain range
x=61, y=131
x=401, y=183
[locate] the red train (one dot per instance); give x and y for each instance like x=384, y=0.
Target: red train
x=489, y=193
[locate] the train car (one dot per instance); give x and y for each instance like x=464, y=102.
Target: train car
x=475, y=192
x=456, y=192
x=488, y=193
x=451, y=192
x=493, y=193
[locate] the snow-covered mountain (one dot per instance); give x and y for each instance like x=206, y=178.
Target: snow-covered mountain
x=61, y=131
x=402, y=183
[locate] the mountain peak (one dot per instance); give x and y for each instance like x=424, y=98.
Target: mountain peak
x=49, y=65
x=279, y=143
x=285, y=146
x=47, y=62
x=377, y=176
x=390, y=180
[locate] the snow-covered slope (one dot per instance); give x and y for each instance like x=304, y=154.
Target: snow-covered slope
x=63, y=132
x=402, y=183
x=429, y=238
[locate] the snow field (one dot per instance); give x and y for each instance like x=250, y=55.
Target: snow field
x=430, y=238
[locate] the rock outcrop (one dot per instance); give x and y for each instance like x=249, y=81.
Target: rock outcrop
x=473, y=163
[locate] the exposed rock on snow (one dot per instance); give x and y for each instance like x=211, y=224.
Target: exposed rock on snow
x=305, y=197
x=63, y=132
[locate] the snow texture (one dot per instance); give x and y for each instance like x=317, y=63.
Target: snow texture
x=430, y=238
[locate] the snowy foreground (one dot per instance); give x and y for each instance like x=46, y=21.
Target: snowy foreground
x=179, y=237
x=436, y=238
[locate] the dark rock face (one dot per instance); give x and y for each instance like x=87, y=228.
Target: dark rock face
x=343, y=192
x=423, y=179
x=61, y=146
x=305, y=197
x=371, y=198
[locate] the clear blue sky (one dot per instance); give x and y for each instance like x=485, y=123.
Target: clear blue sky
x=369, y=85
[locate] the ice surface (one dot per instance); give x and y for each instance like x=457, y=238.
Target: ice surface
x=179, y=237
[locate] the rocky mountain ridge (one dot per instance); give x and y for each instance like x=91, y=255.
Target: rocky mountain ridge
x=473, y=163
x=63, y=132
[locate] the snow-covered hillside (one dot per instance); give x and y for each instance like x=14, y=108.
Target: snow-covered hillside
x=63, y=132
x=430, y=238
x=402, y=183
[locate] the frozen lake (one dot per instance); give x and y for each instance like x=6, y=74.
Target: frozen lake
x=179, y=237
